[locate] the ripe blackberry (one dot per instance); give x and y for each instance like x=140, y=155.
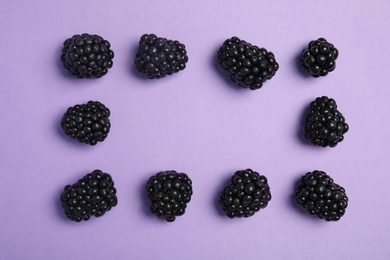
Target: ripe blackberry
x=248, y=65
x=169, y=192
x=88, y=123
x=320, y=196
x=87, y=56
x=92, y=195
x=158, y=57
x=324, y=124
x=319, y=58
x=247, y=193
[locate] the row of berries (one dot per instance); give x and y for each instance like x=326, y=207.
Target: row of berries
x=169, y=193
x=90, y=56
x=89, y=123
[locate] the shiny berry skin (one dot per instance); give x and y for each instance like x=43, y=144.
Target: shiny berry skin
x=319, y=58
x=158, y=57
x=319, y=195
x=169, y=193
x=247, y=65
x=324, y=124
x=87, y=123
x=92, y=195
x=87, y=56
x=247, y=193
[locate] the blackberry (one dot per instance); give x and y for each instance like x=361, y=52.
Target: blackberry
x=169, y=192
x=87, y=56
x=247, y=193
x=319, y=58
x=324, y=124
x=92, y=195
x=158, y=57
x=88, y=123
x=320, y=196
x=248, y=65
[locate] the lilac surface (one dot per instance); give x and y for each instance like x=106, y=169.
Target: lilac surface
x=196, y=122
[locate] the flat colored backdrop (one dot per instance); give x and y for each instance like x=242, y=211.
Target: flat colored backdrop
x=195, y=122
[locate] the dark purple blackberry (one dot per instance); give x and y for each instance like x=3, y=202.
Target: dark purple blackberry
x=169, y=192
x=87, y=56
x=158, y=57
x=324, y=124
x=320, y=196
x=92, y=195
x=319, y=58
x=248, y=65
x=88, y=123
x=247, y=193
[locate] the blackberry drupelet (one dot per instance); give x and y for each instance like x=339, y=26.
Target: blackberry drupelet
x=320, y=196
x=247, y=65
x=88, y=123
x=169, y=192
x=324, y=124
x=87, y=56
x=319, y=58
x=158, y=57
x=92, y=195
x=247, y=193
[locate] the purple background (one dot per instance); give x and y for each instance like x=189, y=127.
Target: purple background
x=196, y=122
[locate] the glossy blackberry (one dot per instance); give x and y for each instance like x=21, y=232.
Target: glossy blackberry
x=324, y=124
x=247, y=193
x=247, y=65
x=158, y=57
x=320, y=196
x=87, y=56
x=92, y=195
x=88, y=123
x=169, y=192
x=319, y=58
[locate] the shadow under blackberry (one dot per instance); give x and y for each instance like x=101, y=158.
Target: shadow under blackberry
x=61, y=69
x=298, y=208
x=145, y=205
x=217, y=195
x=59, y=209
x=300, y=132
x=297, y=63
x=131, y=63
